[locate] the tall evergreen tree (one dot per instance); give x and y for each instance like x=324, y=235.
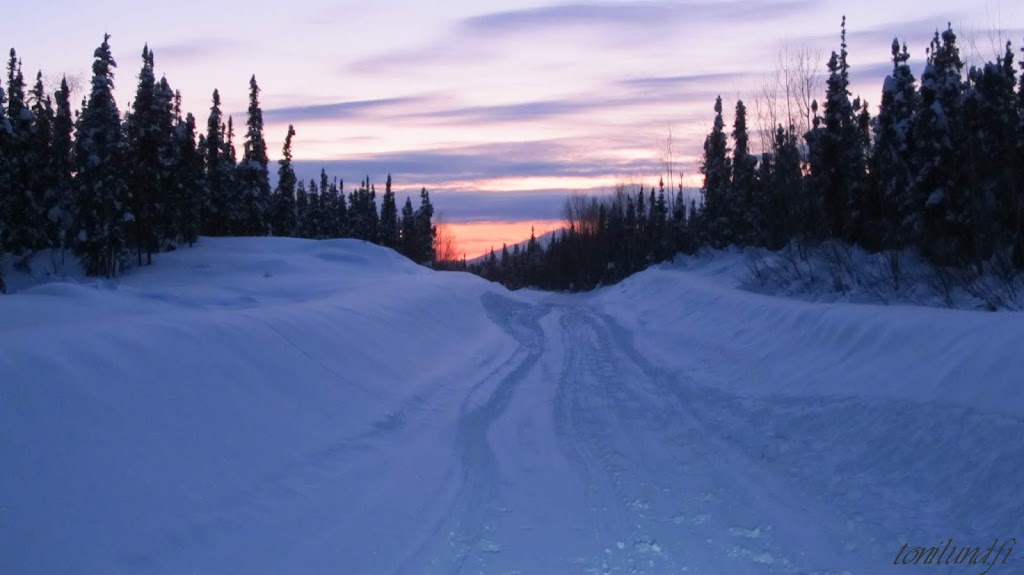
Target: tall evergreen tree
x=425, y=230
x=102, y=189
x=236, y=217
x=991, y=116
x=389, y=230
x=362, y=212
x=144, y=161
x=6, y=177
x=716, y=169
x=344, y=225
x=315, y=213
x=43, y=175
x=1017, y=234
x=219, y=172
x=743, y=167
x=841, y=150
x=283, y=213
x=253, y=171
x=891, y=173
x=938, y=186
x=791, y=212
x=60, y=210
x=408, y=240
x=301, y=210
x=169, y=190
x=21, y=234
x=192, y=182
x=660, y=238
x=329, y=204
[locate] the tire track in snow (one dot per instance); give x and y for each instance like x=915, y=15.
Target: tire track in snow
x=463, y=527
x=596, y=409
x=671, y=493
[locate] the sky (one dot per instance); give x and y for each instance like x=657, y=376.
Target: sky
x=499, y=108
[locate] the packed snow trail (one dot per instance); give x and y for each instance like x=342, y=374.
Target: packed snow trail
x=276, y=406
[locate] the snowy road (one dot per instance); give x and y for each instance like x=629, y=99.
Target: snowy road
x=268, y=421
x=579, y=455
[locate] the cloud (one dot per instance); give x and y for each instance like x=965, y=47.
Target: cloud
x=479, y=38
x=671, y=94
x=340, y=110
x=635, y=93
x=195, y=48
x=465, y=207
x=537, y=159
x=444, y=52
x=689, y=82
x=617, y=15
x=513, y=112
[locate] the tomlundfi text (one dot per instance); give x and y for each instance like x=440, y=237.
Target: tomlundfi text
x=950, y=554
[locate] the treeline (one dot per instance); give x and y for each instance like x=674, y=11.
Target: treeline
x=115, y=188
x=606, y=240
x=940, y=169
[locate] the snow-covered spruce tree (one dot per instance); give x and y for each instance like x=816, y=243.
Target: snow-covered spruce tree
x=329, y=199
x=389, y=231
x=640, y=233
x=425, y=230
x=408, y=239
x=629, y=223
x=236, y=216
x=143, y=161
x=43, y=175
x=253, y=175
x=6, y=146
x=344, y=225
x=301, y=210
x=192, y=181
x=842, y=159
x=678, y=227
x=362, y=212
x=808, y=211
x=744, y=165
x=715, y=167
x=169, y=192
x=315, y=214
x=991, y=117
x=938, y=187
x=60, y=201
x=103, y=211
x=373, y=216
x=1018, y=227
x=283, y=212
x=219, y=171
x=23, y=232
x=339, y=208
x=891, y=152
x=865, y=205
x=660, y=235
x=779, y=197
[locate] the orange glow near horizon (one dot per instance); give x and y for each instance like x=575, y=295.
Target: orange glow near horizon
x=475, y=239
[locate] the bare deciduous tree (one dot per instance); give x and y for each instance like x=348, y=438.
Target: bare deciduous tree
x=787, y=94
x=446, y=247
x=581, y=213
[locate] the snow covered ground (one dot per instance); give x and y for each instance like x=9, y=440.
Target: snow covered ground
x=287, y=406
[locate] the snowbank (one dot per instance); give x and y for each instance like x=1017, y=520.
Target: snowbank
x=139, y=415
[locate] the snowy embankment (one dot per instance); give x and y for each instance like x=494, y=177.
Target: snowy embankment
x=288, y=406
